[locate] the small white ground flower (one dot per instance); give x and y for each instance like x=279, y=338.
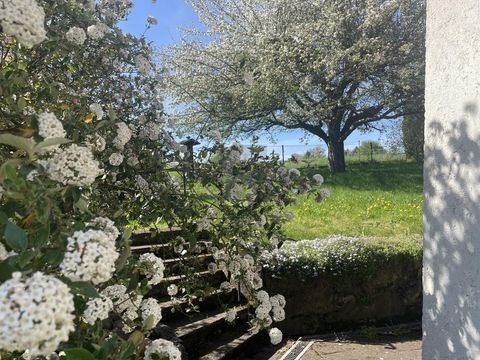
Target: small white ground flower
x=76, y=36
x=163, y=349
x=36, y=313
x=23, y=19
x=152, y=267
x=276, y=336
x=73, y=165
x=90, y=256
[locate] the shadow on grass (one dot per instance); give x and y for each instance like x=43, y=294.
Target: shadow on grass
x=390, y=175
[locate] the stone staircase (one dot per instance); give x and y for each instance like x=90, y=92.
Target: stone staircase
x=197, y=323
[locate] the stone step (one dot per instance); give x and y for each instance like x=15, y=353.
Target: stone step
x=191, y=280
x=166, y=251
x=174, y=310
x=162, y=236
x=187, y=264
x=204, y=332
x=232, y=346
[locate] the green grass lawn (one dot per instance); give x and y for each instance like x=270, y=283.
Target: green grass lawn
x=382, y=198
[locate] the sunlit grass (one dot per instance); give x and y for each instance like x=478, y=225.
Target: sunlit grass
x=372, y=199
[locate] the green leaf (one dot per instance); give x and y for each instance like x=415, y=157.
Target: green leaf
x=50, y=142
x=17, y=142
x=83, y=288
x=21, y=103
x=127, y=350
x=82, y=205
x=8, y=267
x=133, y=283
x=77, y=354
x=25, y=258
x=8, y=168
x=15, y=237
x=53, y=256
x=148, y=323
x=3, y=218
x=104, y=351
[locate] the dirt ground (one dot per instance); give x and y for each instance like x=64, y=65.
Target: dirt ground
x=382, y=347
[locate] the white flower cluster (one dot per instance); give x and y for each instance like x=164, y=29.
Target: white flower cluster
x=318, y=179
x=73, y=165
x=97, y=309
x=125, y=304
x=106, y=225
x=90, y=256
x=50, y=127
x=276, y=336
x=163, y=349
x=23, y=19
x=142, y=185
x=76, y=36
x=215, y=135
x=35, y=314
x=267, y=304
x=152, y=131
x=142, y=64
x=115, y=159
x=230, y=315
x=172, y=290
x=132, y=161
x=152, y=20
x=98, y=31
x=97, y=110
x=151, y=311
x=152, y=267
x=96, y=143
x=124, y=134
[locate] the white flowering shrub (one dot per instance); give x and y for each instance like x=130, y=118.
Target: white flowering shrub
x=85, y=150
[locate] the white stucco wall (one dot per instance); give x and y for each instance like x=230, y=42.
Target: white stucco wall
x=451, y=279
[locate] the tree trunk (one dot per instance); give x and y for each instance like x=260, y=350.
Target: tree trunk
x=336, y=155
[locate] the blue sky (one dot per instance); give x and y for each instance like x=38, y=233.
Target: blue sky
x=173, y=15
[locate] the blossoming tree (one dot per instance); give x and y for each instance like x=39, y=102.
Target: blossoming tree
x=327, y=67
x=85, y=149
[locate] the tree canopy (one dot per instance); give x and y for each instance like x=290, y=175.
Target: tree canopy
x=327, y=67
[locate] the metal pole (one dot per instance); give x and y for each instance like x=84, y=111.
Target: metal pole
x=283, y=155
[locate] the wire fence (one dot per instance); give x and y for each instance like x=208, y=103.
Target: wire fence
x=354, y=152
